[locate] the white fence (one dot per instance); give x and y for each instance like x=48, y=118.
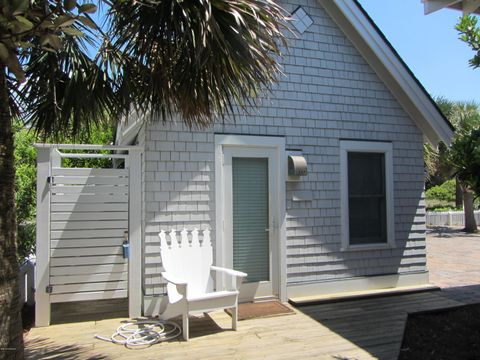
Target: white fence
x=450, y=218
x=27, y=282
x=85, y=218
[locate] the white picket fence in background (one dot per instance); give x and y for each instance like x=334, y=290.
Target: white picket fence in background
x=450, y=218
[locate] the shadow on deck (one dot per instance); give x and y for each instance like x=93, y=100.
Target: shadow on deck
x=377, y=325
x=43, y=348
x=361, y=329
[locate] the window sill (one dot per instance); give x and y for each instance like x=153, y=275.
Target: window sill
x=367, y=247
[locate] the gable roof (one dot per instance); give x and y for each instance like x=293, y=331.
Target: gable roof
x=372, y=44
x=389, y=66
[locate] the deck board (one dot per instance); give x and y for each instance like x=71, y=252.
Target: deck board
x=360, y=329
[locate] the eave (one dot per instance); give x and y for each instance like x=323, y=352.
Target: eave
x=466, y=6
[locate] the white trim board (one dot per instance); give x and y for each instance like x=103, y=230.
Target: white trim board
x=42, y=269
x=357, y=284
x=347, y=146
x=390, y=69
x=257, y=142
x=253, y=290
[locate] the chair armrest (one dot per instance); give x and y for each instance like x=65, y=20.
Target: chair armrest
x=173, y=279
x=229, y=271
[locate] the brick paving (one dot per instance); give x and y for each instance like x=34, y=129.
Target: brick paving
x=453, y=259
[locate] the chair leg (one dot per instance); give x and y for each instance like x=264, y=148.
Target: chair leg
x=234, y=318
x=185, y=326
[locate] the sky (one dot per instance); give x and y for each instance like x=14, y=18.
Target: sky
x=429, y=45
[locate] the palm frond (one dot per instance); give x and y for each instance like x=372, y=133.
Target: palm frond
x=198, y=57
x=66, y=90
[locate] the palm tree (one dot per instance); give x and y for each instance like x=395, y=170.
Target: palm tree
x=464, y=157
x=199, y=59
x=459, y=160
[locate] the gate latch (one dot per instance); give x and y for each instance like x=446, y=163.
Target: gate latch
x=50, y=180
x=49, y=289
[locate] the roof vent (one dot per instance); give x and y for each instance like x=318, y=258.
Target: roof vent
x=301, y=20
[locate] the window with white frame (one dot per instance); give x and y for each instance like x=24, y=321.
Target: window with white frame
x=366, y=194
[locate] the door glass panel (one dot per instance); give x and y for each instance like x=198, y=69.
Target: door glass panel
x=250, y=218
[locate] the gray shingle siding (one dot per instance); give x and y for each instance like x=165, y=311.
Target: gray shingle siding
x=329, y=93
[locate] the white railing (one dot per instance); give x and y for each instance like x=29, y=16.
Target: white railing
x=449, y=218
x=27, y=282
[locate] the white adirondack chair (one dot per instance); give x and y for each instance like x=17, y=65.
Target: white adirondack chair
x=188, y=268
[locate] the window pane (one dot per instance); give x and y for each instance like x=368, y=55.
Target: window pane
x=366, y=198
x=366, y=173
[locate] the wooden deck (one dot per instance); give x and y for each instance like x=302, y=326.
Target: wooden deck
x=361, y=329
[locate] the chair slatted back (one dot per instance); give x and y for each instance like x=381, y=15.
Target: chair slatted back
x=189, y=259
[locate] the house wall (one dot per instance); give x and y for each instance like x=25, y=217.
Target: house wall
x=328, y=93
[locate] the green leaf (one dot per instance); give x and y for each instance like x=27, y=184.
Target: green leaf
x=4, y=53
x=72, y=31
x=26, y=24
x=87, y=22
x=52, y=40
x=63, y=21
x=87, y=8
x=24, y=45
x=46, y=24
x=19, y=6
x=55, y=41
x=15, y=67
x=69, y=4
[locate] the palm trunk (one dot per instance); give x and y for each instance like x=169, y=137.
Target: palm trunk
x=470, y=223
x=11, y=334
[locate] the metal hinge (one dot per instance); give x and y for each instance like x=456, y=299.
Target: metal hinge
x=49, y=289
x=50, y=180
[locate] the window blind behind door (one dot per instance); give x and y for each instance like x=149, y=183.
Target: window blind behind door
x=250, y=217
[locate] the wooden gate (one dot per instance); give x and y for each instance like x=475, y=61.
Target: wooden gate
x=88, y=238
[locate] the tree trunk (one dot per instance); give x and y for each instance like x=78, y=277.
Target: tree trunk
x=11, y=332
x=470, y=223
x=458, y=194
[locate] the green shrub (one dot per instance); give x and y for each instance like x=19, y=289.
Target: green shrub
x=26, y=235
x=444, y=209
x=444, y=192
x=26, y=177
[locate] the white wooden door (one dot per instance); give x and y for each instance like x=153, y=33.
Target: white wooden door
x=250, y=229
x=88, y=219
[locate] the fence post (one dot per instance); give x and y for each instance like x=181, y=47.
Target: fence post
x=135, y=295
x=450, y=220
x=42, y=278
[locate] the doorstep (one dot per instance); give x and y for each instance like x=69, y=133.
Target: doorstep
x=357, y=295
